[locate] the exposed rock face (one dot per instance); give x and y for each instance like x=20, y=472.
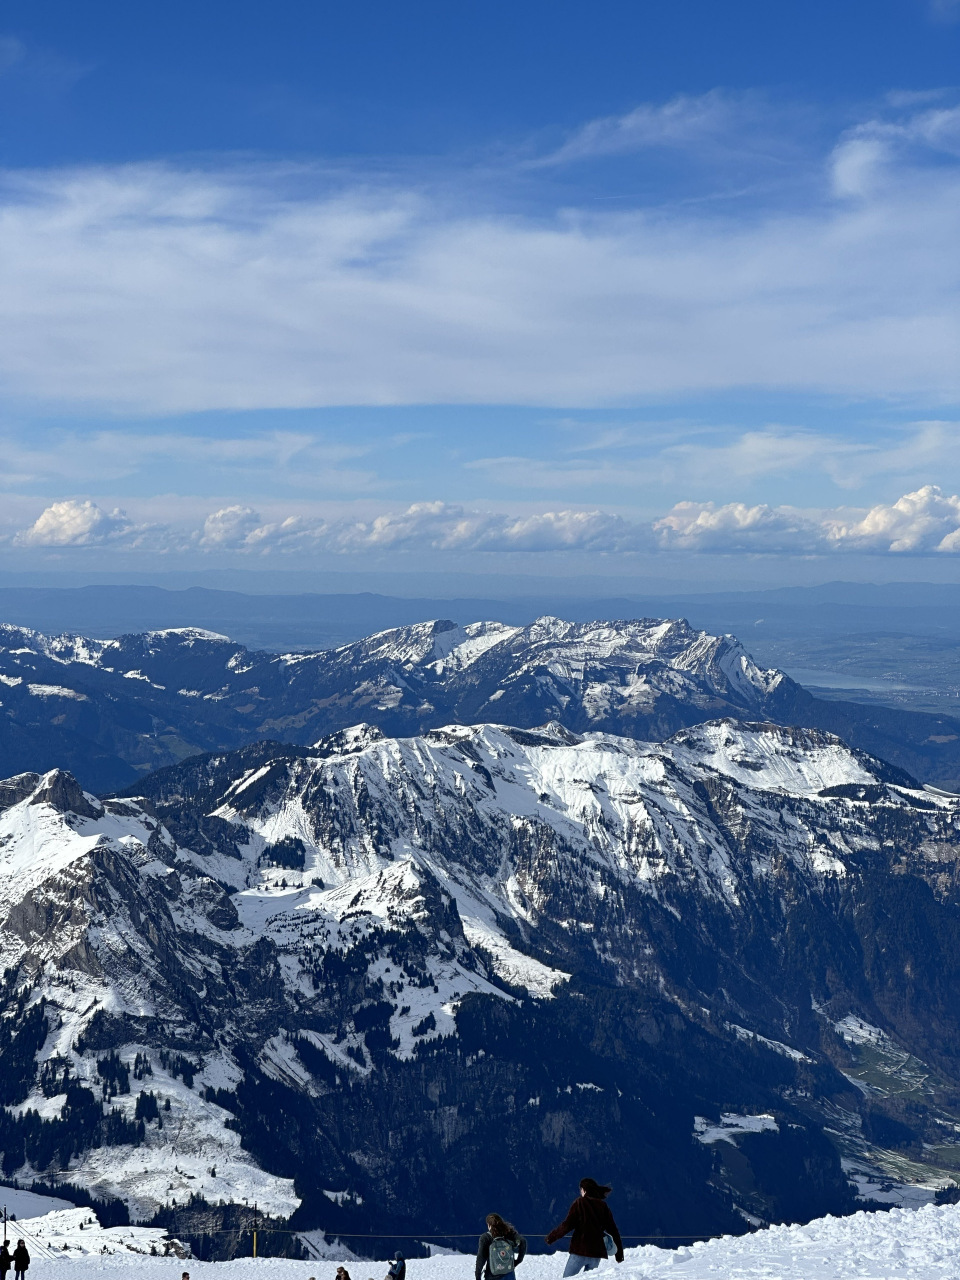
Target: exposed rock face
x=355, y=970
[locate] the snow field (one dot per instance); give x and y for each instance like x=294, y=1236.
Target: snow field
x=70, y=1234
x=922, y=1244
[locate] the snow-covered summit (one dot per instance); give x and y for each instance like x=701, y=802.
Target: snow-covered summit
x=570, y=661
x=453, y=800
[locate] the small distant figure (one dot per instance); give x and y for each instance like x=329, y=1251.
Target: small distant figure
x=595, y=1233
x=500, y=1249
x=6, y=1262
x=397, y=1269
x=343, y=1273
x=21, y=1260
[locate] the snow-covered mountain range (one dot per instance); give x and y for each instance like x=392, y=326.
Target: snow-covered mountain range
x=112, y=709
x=330, y=976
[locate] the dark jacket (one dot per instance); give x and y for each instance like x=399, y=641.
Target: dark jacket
x=6, y=1262
x=588, y=1218
x=483, y=1252
x=21, y=1259
x=397, y=1269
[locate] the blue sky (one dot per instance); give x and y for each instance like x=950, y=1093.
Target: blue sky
x=535, y=287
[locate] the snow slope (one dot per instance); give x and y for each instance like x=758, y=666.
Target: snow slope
x=66, y=1236
x=303, y=922
x=911, y=1245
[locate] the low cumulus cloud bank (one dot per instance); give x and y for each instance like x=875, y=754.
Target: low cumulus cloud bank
x=78, y=524
x=921, y=523
x=925, y=522
x=438, y=526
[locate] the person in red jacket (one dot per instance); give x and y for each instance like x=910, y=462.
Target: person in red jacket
x=590, y=1220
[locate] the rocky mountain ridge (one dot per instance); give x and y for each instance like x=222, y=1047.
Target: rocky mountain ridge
x=111, y=710
x=315, y=976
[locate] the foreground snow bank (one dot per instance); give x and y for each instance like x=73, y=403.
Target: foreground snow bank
x=922, y=1244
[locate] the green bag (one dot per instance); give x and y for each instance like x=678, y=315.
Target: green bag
x=503, y=1256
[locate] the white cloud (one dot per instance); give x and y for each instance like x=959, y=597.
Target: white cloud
x=230, y=527
x=924, y=522
x=918, y=522
x=683, y=122
x=856, y=166
x=734, y=526
x=449, y=527
x=154, y=289
x=76, y=524
x=426, y=525
x=921, y=523
x=865, y=157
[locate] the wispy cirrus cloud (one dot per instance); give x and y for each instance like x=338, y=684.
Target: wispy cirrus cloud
x=297, y=459
x=154, y=289
x=645, y=459
x=38, y=74
x=944, y=10
x=687, y=122
x=871, y=154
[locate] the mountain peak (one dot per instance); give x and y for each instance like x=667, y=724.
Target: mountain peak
x=186, y=634
x=62, y=792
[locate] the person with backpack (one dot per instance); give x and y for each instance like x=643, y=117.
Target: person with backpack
x=595, y=1234
x=21, y=1260
x=500, y=1249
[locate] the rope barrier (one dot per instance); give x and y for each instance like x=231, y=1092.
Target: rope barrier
x=36, y=1244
